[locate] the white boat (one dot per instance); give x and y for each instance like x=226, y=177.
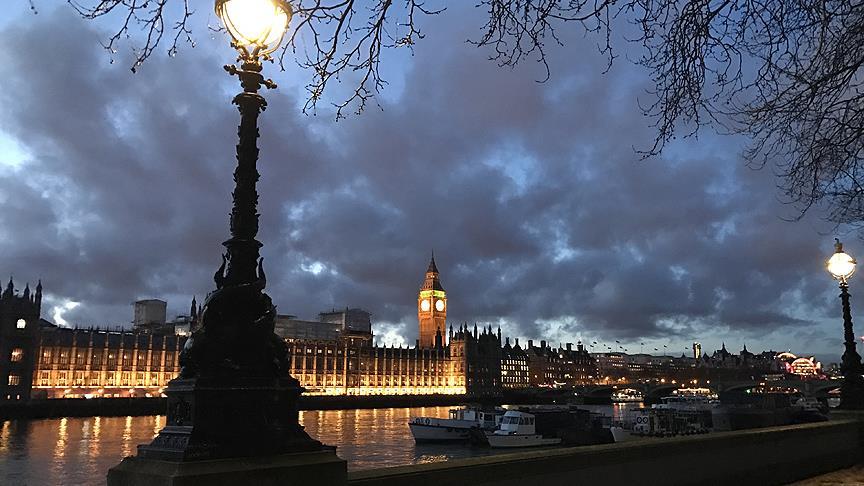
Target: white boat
x=686, y=402
x=454, y=428
x=663, y=421
x=807, y=404
x=627, y=396
x=620, y=434
x=809, y=409
x=518, y=429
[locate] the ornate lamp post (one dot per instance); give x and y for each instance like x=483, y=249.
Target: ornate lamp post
x=233, y=409
x=841, y=266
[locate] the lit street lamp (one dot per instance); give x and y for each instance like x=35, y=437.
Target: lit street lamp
x=841, y=266
x=235, y=399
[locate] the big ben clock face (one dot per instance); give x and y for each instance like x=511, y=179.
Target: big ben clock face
x=424, y=305
x=439, y=305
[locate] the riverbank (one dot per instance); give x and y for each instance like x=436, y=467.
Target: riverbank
x=119, y=407
x=768, y=456
x=846, y=477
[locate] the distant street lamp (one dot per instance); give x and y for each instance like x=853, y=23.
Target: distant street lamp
x=235, y=397
x=841, y=266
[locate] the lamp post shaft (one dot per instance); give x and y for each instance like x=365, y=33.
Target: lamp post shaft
x=235, y=395
x=235, y=398
x=244, y=264
x=852, y=388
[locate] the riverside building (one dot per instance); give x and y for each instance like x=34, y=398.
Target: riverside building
x=336, y=354
x=41, y=360
x=19, y=333
x=332, y=356
x=548, y=366
x=87, y=363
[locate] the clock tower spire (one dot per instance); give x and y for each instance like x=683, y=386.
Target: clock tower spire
x=431, y=306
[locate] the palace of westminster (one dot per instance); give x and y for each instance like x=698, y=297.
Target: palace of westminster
x=332, y=356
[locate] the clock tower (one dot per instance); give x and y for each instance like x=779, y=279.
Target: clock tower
x=431, y=308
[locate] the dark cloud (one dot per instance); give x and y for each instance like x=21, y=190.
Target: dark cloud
x=541, y=215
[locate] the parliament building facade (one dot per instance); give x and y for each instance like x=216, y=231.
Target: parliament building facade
x=332, y=356
x=443, y=361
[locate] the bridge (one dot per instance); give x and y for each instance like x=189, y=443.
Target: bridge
x=652, y=393
x=812, y=388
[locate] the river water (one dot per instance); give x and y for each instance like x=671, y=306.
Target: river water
x=79, y=451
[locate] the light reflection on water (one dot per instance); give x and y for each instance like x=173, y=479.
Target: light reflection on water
x=380, y=437
x=80, y=451
x=69, y=450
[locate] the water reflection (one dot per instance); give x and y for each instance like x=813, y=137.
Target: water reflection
x=59, y=463
x=81, y=450
x=4, y=438
x=380, y=437
x=75, y=451
x=127, y=437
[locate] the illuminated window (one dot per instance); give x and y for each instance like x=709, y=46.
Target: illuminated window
x=21, y=324
x=14, y=379
x=17, y=355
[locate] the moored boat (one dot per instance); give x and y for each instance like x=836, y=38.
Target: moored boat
x=518, y=429
x=809, y=409
x=456, y=427
x=627, y=396
x=620, y=434
x=663, y=422
x=686, y=402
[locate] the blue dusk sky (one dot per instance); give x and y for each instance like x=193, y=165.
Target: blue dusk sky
x=116, y=186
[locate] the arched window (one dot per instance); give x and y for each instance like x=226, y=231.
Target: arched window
x=21, y=324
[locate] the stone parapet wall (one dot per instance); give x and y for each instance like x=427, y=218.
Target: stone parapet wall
x=777, y=455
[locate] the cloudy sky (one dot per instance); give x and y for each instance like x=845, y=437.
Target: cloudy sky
x=116, y=186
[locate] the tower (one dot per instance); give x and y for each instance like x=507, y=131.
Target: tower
x=19, y=334
x=431, y=307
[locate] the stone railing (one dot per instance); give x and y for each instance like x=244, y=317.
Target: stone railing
x=776, y=455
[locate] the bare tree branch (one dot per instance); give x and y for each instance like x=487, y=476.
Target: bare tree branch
x=787, y=73
x=148, y=16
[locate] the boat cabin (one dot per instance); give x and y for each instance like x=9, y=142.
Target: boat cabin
x=486, y=419
x=515, y=422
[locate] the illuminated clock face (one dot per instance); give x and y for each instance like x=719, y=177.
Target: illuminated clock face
x=424, y=304
x=439, y=305
x=21, y=324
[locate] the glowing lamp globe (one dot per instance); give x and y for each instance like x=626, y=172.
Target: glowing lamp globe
x=841, y=266
x=256, y=25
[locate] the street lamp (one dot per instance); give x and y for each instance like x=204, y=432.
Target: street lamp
x=256, y=26
x=235, y=398
x=841, y=266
